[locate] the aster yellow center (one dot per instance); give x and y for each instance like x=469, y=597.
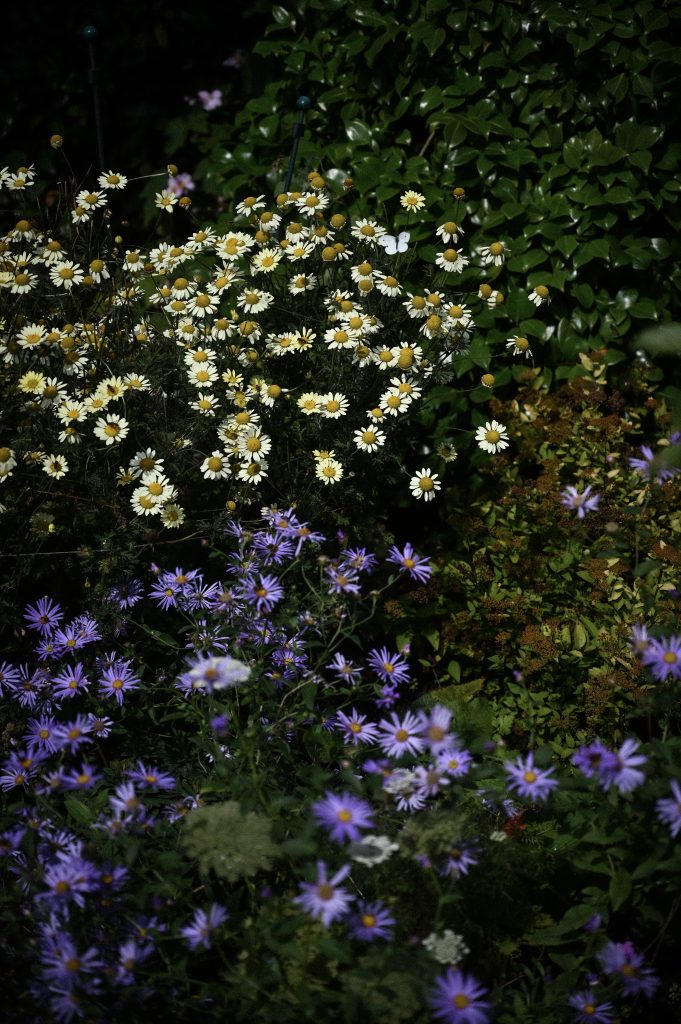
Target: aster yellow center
x=215, y=464
x=368, y=920
x=492, y=436
x=344, y=815
x=426, y=483
x=401, y=735
x=530, y=777
x=670, y=657
x=461, y=1001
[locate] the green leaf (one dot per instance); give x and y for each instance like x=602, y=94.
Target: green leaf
x=79, y=811
x=598, y=249
x=358, y=131
x=644, y=309
x=620, y=887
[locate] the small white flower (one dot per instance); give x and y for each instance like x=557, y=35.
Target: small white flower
x=412, y=201
x=165, y=200
x=492, y=437
x=495, y=253
x=424, y=484
x=373, y=849
x=447, y=948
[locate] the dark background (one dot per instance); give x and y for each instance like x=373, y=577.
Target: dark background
x=150, y=55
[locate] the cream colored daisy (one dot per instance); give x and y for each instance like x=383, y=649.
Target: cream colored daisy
x=412, y=201
x=66, y=274
x=206, y=404
x=31, y=336
x=369, y=439
x=449, y=232
x=31, y=383
x=55, y=466
x=309, y=403
x=172, y=515
x=216, y=466
x=519, y=346
x=495, y=253
x=112, y=429
x=253, y=445
x=393, y=402
x=492, y=437
x=424, y=484
x=253, y=472
x=333, y=405
x=452, y=261
x=112, y=180
x=165, y=200
x=329, y=471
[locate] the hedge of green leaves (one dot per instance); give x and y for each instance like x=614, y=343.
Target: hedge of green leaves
x=558, y=120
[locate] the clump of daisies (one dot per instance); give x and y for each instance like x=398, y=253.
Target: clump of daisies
x=287, y=350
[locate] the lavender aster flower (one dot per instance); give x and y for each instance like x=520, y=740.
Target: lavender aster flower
x=126, y=594
x=359, y=560
x=355, y=728
x=583, y=503
x=150, y=777
x=621, y=959
x=324, y=899
x=594, y=760
x=400, y=737
x=70, y=682
x=198, y=932
x=343, y=816
x=528, y=780
x=588, y=1011
x=624, y=772
x=371, y=921
x=44, y=616
x=264, y=592
x=342, y=580
x=457, y=998
x=210, y=673
x=390, y=668
x=669, y=809
x=639, y=639
x=651, y=465
x=417, y=567
x=118, y=679
x=663, y=658
x=344, y=669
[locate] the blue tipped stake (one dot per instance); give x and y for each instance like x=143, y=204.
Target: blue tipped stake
x=303, y=104
x=89, y=34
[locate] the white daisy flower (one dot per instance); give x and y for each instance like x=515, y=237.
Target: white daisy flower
x=495, y=253
x=333, y=405
x=369, y=439
x=424, y=484
x=492, y=437
x=111, y=429
x=329, y=471
x=412, y=201
x=216, y=466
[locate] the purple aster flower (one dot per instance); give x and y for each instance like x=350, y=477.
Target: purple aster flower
x=129, y=956
x=220, y=724
x=663, y=658
x=358, y=560
x=588, y=1010
x=273, y=548
x=593, y=924
x=621, y=959
x=125, y=800
x=304, y=534
x=436, y=725
x=150, y=777
x=165, y=594
x=199, y=596
x=28, y=687
x=213, y=673
x=389, y=696
x=651, y=465
x=623, y=772
x=69, y=879
x=371, y=921
x=9, y=675
x=342, y=580
x=594, y=760
x=401, y=784
x=126, y=594
x=41, y=734
x=583, y=503
x=180, y=184
x=100, y=725
x=457, y=998
x=44, y=615
x=418, y=568
x=669, y=809
x=344, y=669
x=458, y=859
x=324, y=899
x=428, y=781
x=456, y=762
x=84, y=777
x=343, y=816
x=72, y=734
x=15, y=773
x=63, y=965
x=86, y=629
x=70, y=682
x=117, y=680
x=528, y=780
x=400, y=737
x=639, y=639
x=10, y=841
x=264, y=592
x=68, y=639
x=210, y=100
x=224, y=601
x=198, y=932
x=390, y=668
x=355, y=728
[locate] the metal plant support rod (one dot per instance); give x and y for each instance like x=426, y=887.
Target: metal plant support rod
x=303, y=104
x=89, y=33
